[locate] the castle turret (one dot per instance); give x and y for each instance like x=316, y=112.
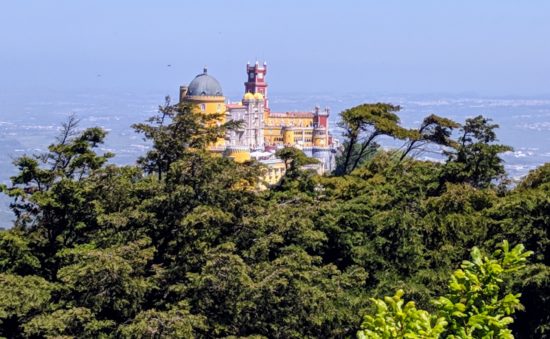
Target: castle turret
x=325, y=155
x=256, y=81
x=183, y=93
x=239, y=154
x=253, y=120
x=320, y=136
x=288, y=136
x=321, y=117
x=205, y=94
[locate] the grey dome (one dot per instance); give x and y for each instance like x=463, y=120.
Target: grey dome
x=206, y=85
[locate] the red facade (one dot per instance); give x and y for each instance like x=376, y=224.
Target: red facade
x=256, y=81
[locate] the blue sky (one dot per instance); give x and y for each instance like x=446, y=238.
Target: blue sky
x=486, y=47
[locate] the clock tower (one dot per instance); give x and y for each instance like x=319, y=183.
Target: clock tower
x=256, y=81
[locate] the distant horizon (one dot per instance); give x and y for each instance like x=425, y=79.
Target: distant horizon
x=234, y=94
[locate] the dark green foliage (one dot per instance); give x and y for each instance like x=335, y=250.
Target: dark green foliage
x=537, y=177
x=434, y=129
x=177, y=322
x=21, y=298
x=476, y=158
x=15, y=254
x=73, y=322
x=294, y=160
x=296, y=176
x=184, y=244
x=107, y=281
x=362, y=125
x=175, y=129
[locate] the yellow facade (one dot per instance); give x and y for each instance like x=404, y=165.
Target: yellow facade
x=280, y=121
x=318, y=141
x=276, y=126
x=210, y=105
x=320, y=138
x=238, y=154
x=276, y=136
x=274, y=172
x=288, y=136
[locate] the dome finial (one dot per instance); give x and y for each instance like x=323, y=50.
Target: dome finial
x=205, y=70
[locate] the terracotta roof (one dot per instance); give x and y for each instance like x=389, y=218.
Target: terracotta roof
x=234, y=106
x=291, y=114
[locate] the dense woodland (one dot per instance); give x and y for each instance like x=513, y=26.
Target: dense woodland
x=184, y=244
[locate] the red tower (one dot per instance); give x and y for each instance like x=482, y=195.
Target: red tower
x=256, y=81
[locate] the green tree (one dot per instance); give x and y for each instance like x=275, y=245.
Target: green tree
x=395, y=319
x=296, y=178
x=102, y=250
x=176, y=322
x=536, y=178
x=21, y=298
x=294, y=159
x=49, y=200
x=476, y=160
x=362, y=125
x=434, y=129
x=522, y=216
x=109, y=282
x=15, y=255
x=476, y=305
x=176, y=129
x=73, y=322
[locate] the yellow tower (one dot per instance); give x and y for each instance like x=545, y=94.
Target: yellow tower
x=319, y=137
x=205, y=94
x=288, y=136
x=239, y=154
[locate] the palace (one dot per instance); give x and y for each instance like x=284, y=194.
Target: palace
x=263, y=131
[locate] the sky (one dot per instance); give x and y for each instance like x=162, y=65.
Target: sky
x=484, y=47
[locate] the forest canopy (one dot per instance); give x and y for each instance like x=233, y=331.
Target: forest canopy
x=184, y=244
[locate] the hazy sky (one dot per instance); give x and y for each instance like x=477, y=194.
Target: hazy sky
x=489, y=47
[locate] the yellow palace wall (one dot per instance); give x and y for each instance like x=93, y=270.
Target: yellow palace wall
x=276, y=136
x=274, y=133
x=210, y=105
